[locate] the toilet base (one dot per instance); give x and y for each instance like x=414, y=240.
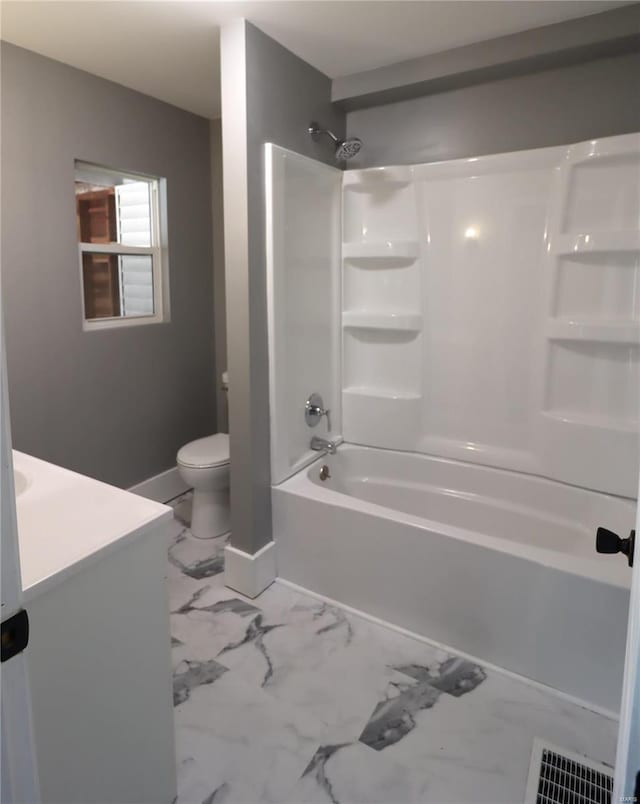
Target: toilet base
x=210, y=514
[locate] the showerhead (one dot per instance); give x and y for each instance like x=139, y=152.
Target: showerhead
x=345, y=149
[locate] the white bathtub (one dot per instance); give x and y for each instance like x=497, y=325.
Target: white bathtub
x=495, y=564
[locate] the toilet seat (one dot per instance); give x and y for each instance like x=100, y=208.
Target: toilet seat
x=205, y=453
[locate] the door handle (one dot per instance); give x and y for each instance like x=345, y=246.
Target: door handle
x=609, y=542
x=15, y=635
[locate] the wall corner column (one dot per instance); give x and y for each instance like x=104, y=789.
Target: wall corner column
x=246, y=330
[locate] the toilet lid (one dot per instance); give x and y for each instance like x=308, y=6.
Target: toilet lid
x=205, y=452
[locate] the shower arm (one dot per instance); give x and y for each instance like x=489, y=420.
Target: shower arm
x=315, y=131
x=344, y=149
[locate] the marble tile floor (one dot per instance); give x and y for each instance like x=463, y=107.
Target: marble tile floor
x=285, y=699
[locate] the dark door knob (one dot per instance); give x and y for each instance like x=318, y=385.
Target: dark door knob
x=609, y=542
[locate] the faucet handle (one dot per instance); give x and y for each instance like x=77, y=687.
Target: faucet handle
x=314, y=410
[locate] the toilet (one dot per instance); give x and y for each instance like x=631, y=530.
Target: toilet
x=205, y=467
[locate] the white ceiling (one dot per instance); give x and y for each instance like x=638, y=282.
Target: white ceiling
x=170, y=50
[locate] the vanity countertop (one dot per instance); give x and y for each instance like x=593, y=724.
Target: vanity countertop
x=66, y=520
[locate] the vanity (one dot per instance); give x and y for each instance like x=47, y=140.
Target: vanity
x=93, y=564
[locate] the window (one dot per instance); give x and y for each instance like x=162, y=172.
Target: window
x=123, y=254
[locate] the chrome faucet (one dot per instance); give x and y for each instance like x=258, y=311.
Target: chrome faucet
x=322, y=445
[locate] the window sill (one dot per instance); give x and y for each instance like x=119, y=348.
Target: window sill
x=97, y=324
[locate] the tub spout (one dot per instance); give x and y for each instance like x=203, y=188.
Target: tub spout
x=322, y=445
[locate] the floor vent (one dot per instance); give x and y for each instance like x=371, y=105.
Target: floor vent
x=557, y=776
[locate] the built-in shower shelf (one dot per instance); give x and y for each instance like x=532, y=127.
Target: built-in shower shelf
x=597, y=242
x=593, y=421
x=625, y=332
x=389, y=395
x=382, y=250
x=384, y=179
x=362, y=319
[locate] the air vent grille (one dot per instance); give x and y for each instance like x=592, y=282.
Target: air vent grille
x=557, y=776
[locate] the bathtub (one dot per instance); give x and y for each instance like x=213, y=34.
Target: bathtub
x=495, y=564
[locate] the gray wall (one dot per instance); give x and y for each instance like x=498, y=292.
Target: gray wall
x=114, y=404
x=594, y=99
x=219, y=293
x=609, y=33
x=268, y=95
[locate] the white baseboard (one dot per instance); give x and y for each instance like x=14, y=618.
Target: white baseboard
x=163, y=487
x=250, y=574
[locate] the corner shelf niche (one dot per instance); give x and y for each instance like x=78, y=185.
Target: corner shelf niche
x=593, y=382
x=601, y=190
x=594, y=332
x=381, y=418
x=589, y=416
x=383, y=360
x=382, y=319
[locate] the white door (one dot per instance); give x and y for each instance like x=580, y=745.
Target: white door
x=19, y=784
x=627, y=775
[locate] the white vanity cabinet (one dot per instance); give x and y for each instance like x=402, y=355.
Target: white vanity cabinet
x=93, y=562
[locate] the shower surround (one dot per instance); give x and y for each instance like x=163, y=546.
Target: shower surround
x=475, y=329
x=490, y=311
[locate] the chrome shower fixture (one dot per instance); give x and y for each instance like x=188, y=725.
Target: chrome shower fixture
x=345, y=149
